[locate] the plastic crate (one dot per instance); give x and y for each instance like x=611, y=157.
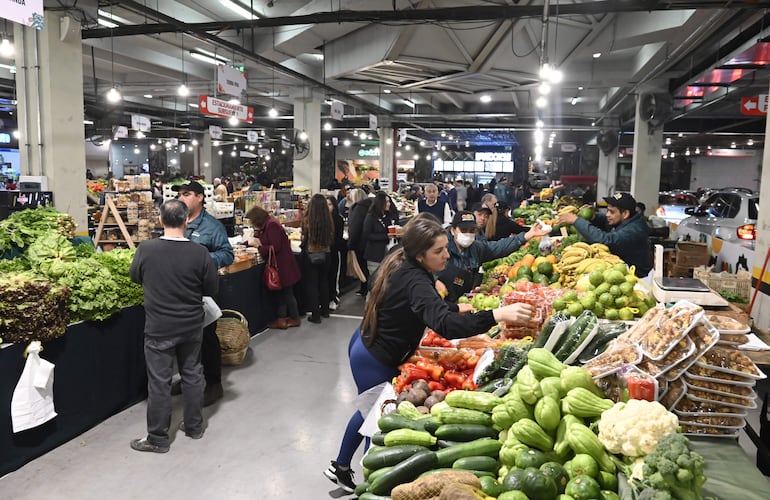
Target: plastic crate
x=739, y=284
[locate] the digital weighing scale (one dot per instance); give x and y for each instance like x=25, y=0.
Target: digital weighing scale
x=674, y=289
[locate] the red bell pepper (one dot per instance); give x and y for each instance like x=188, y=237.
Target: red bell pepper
x=641, y=387
x=455, y=379
x=435, y=371
x=412, y=373
x=436, y=386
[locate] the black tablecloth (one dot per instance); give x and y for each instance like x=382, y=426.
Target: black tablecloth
x=99, y=371
x=244, y=292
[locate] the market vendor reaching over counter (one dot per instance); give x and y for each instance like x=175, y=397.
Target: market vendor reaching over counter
x=402, y=304
x=466, y=253
x=623, y=230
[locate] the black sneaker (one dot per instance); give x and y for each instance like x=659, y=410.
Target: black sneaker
x=343, y=478
x=196, y=435
x=145, y=445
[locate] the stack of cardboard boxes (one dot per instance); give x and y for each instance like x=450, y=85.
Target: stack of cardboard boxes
x=688, y=256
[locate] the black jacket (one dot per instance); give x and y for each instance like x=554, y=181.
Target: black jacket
x=375, y=237
x=356, y=216
x=339, y=245
x=506, y=227
x=628, y=240
x=411, y=303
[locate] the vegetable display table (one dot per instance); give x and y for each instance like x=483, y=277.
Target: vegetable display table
x=99, y=371
x=244, y=292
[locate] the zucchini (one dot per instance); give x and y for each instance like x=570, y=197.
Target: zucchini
x=393, y=421
x=445, y=443
x=409, y=436
x=431, y=423
x=375, y=474
x=472, y=400
x=606, y=333
x=361, y=488
x=480, y=447
x=403, y=472
x=548, y=327
x=481, y=463
x=575, y=335
x=378, y=438
x=492, y=385
x=451, y=415
x=385, y=456
x=465, y=432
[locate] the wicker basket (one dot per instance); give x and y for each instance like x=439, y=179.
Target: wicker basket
x=739, y=284
x=233, y=333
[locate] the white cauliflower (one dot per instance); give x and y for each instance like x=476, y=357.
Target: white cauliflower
x=634, y=428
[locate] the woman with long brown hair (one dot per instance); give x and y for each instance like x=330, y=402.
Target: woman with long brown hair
x=403, y=302
x=317, y=240
x=270, y=235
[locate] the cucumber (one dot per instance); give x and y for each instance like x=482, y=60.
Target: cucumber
x=465, y=432
x=379, y=438
x=385, y=456
x=547, y=330
x=375, y=474
x=409, y=436
x=480, y=447
x=573, y=336
x=393, y=421
x=445, y=443
x=491, y=386
x=431, y=423
x=481, y=463
x=451, y=415
x=599, y=343
x=404, y=472
x=361, y=488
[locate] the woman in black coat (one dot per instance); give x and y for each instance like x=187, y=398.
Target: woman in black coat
x=339, y=249
x=359, y=207
x=375, y=231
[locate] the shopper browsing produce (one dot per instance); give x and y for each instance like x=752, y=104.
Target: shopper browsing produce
x=466, y=253
x=204, y=229
x=175, y=275
x=403, y=302
x=623, y=230
x=269, y=235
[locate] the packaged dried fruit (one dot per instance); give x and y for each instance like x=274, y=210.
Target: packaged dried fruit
x=730, y=361
x=681, y=352
x=711, y=420
x=726, y=324
x=699, y=369
x=675, y=393
x=691, y=407
x=619, y=353
x=710, y=397
x=696, y=430
x=670, y=329
x=722, y=387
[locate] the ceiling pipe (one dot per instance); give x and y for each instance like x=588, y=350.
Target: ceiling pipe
x=475, y=13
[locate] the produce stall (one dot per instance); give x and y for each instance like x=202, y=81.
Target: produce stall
x=605, y=394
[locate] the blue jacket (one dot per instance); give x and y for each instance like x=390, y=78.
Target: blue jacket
x=628, y=240
x=481, y=251
x=209, y=232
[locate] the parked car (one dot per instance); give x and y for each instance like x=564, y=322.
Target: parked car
x=729, y=214
x=672, y=205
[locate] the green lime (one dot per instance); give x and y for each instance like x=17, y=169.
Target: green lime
x=463, y=300
x=650, y=302
x=626, y=314
x=559, y=304
x=570, y=296
x=588, y=301
x=615, y=291
x=543, y=280
x=615, y=277
x=586, y=213
x=598, y=310
x=604, y=287
x=606, y=299
x=537, y=276
x=611, y=313
x=545, y=268
x=555, y=277
x=575, y=309
x=596, y=278
x=621, y=268
x=627, y=288
x=524, y=271
x=523, y=278
x=621, y=301
x=600, y=267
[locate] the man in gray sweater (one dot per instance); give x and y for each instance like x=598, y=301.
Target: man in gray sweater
x=175, y=274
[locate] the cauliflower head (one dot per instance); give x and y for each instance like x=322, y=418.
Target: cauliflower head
x=634, y=428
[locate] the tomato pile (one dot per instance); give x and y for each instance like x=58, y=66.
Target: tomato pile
x=433, y=339
x=444, y=371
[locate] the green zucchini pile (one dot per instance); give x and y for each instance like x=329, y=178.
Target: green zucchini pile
x=532, y=443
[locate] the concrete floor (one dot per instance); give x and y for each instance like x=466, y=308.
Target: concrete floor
x=278, y=426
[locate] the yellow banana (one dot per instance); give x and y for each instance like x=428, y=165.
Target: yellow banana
x=583, y=246
x=600, y=247
x=569, y=209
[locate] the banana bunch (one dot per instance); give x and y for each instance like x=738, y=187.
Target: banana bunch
x=569, y=209
x=581, y=258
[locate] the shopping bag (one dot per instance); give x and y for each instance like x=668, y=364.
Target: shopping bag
x=32, y=401
x=270, y=276
x=354, y=270
x=370, y=402
x=211, y=311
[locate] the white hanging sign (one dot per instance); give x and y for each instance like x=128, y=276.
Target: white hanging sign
x=251, y=136
x=141, y=123
x=230, y=81
x=338, y=110
x=216, y=132
x=372, y=121
x=402, y=135
x=28, y=13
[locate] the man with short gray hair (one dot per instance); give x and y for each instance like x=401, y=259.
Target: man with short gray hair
x=175, y=274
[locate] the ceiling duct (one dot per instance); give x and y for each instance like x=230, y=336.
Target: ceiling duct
x=607, y=140
x=655, y=108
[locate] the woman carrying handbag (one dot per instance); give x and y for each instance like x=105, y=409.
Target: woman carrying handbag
x=273, y=244
x=317, y=239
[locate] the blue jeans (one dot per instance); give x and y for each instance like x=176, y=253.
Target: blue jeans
x=367, y=373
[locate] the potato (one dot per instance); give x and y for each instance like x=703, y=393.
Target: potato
x=430, y=401
x=421, y=384
x=402, y=397
x=416, y=396
x=423, y=409
x=439, y=395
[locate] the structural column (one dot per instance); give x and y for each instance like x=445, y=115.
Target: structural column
x=387, y=159
x=645, y=168
x=606, y=174
x=50, y=109
x=207, y=164
x=307, y=117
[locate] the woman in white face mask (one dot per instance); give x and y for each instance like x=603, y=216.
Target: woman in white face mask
x=466, y=253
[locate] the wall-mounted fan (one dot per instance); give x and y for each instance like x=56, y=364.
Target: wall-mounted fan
x=607, y=140
x=301, y=145
x=655, y=107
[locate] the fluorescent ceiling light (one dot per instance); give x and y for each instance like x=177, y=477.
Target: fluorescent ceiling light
x=192, y=105
x=206, y=58
x=386, y=91
x=574, y=101
x=148, y=96
x=238, y=9
x=106, y=23
x=597, y=55
x=88, y=122
x=112, y=16
x=409, y=103
x=9, y=67
x=485, y=98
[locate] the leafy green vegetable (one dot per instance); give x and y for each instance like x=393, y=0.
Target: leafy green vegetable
x=730, y=296
x=118, y=262
x=22, y=228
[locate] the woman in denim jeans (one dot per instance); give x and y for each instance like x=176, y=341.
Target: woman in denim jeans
x=317, y=240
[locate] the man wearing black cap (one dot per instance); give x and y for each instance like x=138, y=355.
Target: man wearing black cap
x=623, y=230
x=482, y=213
x=205, y=230
x=466, y=254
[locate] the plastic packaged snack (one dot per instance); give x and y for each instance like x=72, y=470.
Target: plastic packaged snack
x=711, y=420
x=681, y=352
x=676, y=391
x=726, y=324
x=704, y=336
x=670, y=329
x=731, y=361
x=724, y=388
x=733, y=340
x=619, y=353
x=691, y=407
x=710, y=397
x=708, y=372
x=696, y=430
x=609, y=386
x=646, y=322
